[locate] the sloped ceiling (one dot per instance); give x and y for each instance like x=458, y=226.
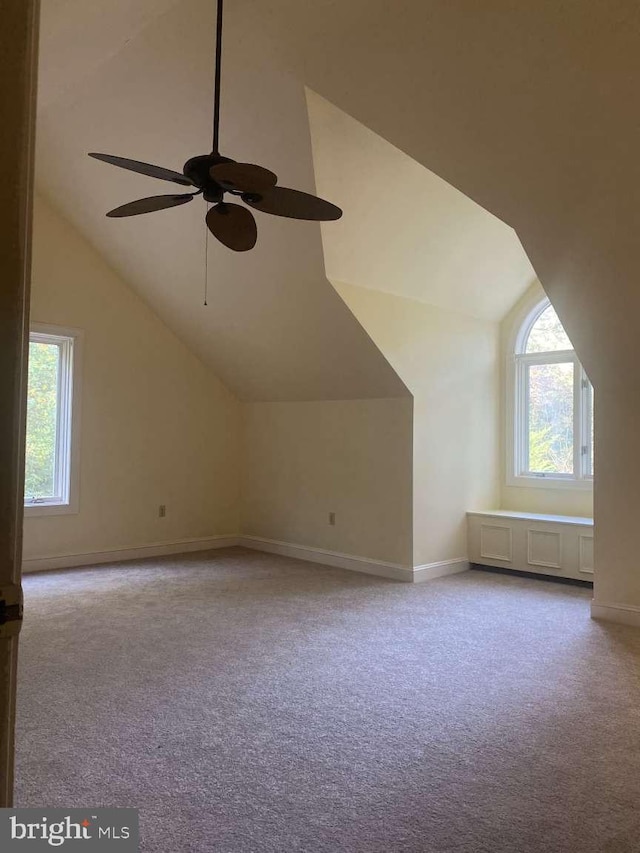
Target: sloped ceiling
x=78, y=37
x=528, y=108
x=405, y=231
x=135, y=79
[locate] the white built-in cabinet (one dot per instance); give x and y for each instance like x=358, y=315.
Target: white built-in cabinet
x=546, y=544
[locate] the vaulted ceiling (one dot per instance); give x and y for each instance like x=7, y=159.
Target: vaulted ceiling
x=405, y=231
x=136, y=79
x=525, y=108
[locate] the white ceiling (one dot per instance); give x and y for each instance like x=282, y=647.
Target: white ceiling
x=405, y=231
x=135, y=79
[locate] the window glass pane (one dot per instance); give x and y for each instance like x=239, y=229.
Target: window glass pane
x=547, y=333
x=550, y=421
x=42, y=406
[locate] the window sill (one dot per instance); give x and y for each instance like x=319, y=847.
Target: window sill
x=37, y=509
x=574, y=520
x=550, y=483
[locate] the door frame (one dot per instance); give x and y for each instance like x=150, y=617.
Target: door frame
x=18, y=81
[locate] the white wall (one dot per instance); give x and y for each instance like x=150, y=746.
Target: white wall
x=529, y=499
x=302, y=461
x=449, y=362
x=157, y=427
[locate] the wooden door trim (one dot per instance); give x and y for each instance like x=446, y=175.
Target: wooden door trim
x=18, y=78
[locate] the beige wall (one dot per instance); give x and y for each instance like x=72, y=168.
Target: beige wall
x=302, y=461
x=157, y=427
x=617, y=424
x=525, y=146
x=174, y=431
x=555, y=501
x=449, y=362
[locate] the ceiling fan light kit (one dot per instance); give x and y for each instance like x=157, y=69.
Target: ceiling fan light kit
x=214, y=176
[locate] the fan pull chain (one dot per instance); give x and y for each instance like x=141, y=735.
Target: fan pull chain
x=206, y=261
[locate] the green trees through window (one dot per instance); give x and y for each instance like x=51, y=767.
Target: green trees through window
x=553, y=409
x=42, y=418
x=51, y=411
x=550, y=408
x=547, y=334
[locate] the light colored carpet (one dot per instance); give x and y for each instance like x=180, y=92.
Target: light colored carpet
x=246, y=702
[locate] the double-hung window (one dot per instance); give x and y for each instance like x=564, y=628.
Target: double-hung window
x=52, y=421
x=551, y=411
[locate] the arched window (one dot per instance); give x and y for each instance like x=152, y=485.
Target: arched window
x=552, y=406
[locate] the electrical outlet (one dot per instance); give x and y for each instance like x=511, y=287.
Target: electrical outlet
x=332, y=519
x=162, y=511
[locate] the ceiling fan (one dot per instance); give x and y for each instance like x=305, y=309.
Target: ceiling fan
x=214, y=176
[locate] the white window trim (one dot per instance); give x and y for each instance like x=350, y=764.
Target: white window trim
x=68, y=428
x=516, y=411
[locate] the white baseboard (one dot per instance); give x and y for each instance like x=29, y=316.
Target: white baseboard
x=118, y=555
x=623, y=614
x=395, y=571
x=429, y=571
x=351, y=562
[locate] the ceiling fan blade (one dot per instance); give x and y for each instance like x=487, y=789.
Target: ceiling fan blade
x=294, y=204
x=148, y=205
x=244, y=177
x=144, y=169
x=233, y=225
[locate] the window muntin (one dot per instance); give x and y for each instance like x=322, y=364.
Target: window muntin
x=50, y=421
x=553, y=406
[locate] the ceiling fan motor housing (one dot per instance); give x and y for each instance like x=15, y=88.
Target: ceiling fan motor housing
x=197, y=169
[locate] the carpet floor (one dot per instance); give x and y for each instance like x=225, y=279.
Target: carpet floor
x=249, y=703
